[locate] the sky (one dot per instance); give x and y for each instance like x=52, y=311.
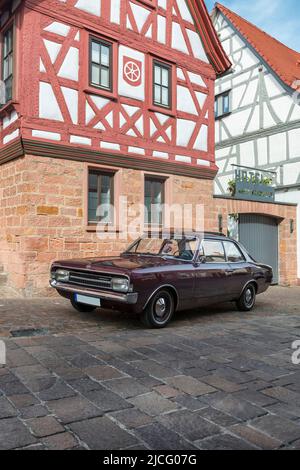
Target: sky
x=280, y=18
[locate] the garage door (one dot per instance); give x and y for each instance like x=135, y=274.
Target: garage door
x=259, y=235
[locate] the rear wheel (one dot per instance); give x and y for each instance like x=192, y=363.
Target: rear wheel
x=159, y=310
x=247, y=300
x=83, y=308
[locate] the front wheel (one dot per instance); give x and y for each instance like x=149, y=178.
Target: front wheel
x=247, y=300
x=159, y=310
x=83, y=308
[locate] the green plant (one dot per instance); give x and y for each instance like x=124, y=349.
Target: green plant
x=232, y=187
x=232, y=184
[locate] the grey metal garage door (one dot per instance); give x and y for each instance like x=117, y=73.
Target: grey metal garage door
x=259, y=235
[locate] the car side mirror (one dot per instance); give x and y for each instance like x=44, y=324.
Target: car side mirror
x=202, y=259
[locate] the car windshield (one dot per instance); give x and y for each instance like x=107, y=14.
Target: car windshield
x=180, y=248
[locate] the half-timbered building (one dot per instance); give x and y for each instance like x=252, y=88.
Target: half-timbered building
x=257, y=109
x=100, y=99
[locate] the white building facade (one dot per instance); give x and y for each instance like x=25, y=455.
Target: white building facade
x=258, y=110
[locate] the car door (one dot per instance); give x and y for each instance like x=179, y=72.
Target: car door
x=211, y=272
x=239, y=271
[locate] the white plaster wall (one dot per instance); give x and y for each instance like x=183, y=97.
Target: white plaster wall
x=136, y=92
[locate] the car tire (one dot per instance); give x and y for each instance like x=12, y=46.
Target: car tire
x=159, y=311
x=83, y=308
x=247, y=300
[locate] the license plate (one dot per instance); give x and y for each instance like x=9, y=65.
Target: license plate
x=85, y=299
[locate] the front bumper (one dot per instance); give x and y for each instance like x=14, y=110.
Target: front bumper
x=130, y=298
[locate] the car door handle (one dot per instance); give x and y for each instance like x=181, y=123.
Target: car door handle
x=229, y=271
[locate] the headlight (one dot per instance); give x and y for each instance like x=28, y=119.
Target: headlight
x=62, y=275
x=120, y=284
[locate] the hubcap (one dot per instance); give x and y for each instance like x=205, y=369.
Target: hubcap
x=160, y=307
x=249, y=296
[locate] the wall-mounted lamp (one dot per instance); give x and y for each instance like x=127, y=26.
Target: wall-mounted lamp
x=292, y=226
x=220, y=222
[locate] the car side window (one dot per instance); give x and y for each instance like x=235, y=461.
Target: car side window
x=233, y=254
x=213, y=251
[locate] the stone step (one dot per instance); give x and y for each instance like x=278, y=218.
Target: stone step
x=3, y=279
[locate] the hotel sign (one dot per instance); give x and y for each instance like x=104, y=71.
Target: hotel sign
x=252, y=186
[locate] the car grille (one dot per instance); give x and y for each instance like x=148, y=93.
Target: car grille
x=82, y=278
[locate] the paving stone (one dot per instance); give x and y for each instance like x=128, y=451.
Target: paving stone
x=189, y=402
x=190, y=385
x=70, y=373
x=132, y=418
x=285, y=410
x=224, y=442
x=157, y=437
x=126, y=388
x=19, y=357
x=13, y=388
x=137, y=447
x=149, y=382
x=295, y=445
x=257, y=398
x=33, y=411
x=7, y=410
x=21, y=401
x=255, y=437
x=85, y=360
x=280, y=428
x=128, y=356
x=84, y=384
x=283, y=394
x=103, y=372
x=45, y=426
x=156, y=370
x=102, y=434
x=73, y=409
x=27, y=373
x=109, y=346
x=106, y=400
x=189, y=424
x=234, y=375
x=61, y=441
x=167, y=392
x=59, y=389
x=238, y=408
x=40, y=384
x=14, y=434
x=33, y=447
x=218, y=417
x=196, y=372
x=127, y=368
x=153, y=404
x=221, y=383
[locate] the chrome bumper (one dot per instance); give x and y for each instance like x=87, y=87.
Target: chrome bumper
x=130, y=298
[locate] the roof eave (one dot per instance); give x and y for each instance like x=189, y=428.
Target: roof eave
x=211, y=42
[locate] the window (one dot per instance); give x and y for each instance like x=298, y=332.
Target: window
x=213, y=251
x=100, y=197
x=7, y=63
x=154, y=199
x=222, y=104
x=162, y=85
x=101, y=64
x=233, y=253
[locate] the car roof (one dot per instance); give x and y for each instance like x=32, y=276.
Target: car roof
x=170, y=233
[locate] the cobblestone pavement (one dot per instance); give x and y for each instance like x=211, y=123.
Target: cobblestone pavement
x=214, y=379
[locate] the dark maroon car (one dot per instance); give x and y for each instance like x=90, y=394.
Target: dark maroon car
x=159, y=275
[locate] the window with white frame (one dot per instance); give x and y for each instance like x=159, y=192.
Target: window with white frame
x=223, y=104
